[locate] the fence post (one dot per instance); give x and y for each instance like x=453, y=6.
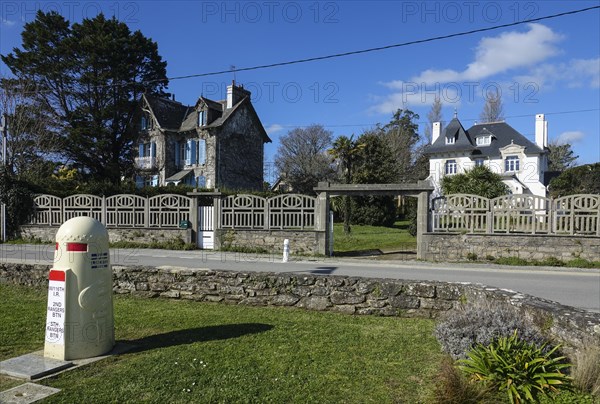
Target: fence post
x=194, y=217
x=103, y=211
x=62, y=211
x=147, y=212
x=267, y=217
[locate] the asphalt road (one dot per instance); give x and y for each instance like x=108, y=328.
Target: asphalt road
x=572, y=287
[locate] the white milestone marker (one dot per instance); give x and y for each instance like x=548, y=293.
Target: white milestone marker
x=55, y=318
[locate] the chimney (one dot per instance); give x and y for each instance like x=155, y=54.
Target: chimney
x=235, y=94
x=436, y=132
x=541, y=131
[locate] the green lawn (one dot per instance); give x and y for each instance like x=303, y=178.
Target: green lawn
x=200, y=352
x=365, y=238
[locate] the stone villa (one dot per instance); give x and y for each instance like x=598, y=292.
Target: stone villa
x=208, y=145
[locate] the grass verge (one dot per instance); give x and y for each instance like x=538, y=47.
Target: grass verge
x=199, y=352
x=364, y=238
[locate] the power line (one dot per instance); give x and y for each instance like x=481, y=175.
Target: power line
x=356, y=52
x=380, y=48
x=372, y=124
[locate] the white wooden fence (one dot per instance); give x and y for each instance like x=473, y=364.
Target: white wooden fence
x=573, y=214
x=283, y=212
x=163, y=211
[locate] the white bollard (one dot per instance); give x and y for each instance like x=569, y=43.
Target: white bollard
x=79, y=321
x=286, y=250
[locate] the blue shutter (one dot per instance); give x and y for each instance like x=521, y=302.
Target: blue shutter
x=177, y=156
x=201, y=181
x=202, y=151
x=152, y=149
x=193, y=155
x=139, y=181
x=188, y=152
x=141, y=149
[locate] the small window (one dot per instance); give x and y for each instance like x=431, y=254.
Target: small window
x=144, y=123
x=483, y=141
x=451, y=167
x=511, y=164
x=450, y=140
x=479, y=162
x=201, y=118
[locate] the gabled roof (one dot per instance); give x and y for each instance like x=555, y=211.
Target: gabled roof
x=461, y=143
x=168, y=113
x=174, y=116
x=502, y=135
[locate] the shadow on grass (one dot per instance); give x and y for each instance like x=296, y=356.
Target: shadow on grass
x=201, y=334
x=358, y=253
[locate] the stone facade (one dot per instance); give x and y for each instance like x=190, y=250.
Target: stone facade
x=138, y=235
x=301, y=241
x=227, y=134
x=457, y=247
x=351, y=295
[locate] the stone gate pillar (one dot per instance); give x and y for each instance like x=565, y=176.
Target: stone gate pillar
x=422, y=223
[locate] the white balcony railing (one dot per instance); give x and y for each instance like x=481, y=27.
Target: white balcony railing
x=145, y=163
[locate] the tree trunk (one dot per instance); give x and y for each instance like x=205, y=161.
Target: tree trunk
x=347, y=213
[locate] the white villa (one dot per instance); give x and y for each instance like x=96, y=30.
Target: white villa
x=521, y=163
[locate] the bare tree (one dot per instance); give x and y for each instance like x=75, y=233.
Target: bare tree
x=302, y=158
x=434, y=115
x=493, y=110
x=30, y=137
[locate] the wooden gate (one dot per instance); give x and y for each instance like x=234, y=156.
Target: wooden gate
x=206, y=228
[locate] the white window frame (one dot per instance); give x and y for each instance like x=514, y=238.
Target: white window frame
x=479, y=162
x=450, y=140
x=512, y=164
x=483, y=141
x=450, y=167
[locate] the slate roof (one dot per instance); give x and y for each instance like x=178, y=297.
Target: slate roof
x=169, y=113
x=174, y=116
x=179, y=176
x=502, y=135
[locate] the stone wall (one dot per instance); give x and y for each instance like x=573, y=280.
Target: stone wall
x=351, y=295
x=140, y=235
x=301, y=241
x=456, y=247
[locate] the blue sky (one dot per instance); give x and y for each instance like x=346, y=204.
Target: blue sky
x=551, y=67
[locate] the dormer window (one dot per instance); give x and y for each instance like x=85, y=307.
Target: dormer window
x=144, y=123
x=511, y=164
x=201, y=118
x=484, y=140
x=450, y=140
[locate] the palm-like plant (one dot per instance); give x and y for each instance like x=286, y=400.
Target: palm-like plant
x=344, y=150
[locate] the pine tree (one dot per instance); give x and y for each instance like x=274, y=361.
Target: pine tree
x=90, y=76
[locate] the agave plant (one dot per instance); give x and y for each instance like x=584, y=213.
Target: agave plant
x=521, y=369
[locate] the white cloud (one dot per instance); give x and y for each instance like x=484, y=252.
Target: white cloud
x=273, y=128
x=493, y=55
x=576, y=73
x=570, y=137
x=7, y=23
